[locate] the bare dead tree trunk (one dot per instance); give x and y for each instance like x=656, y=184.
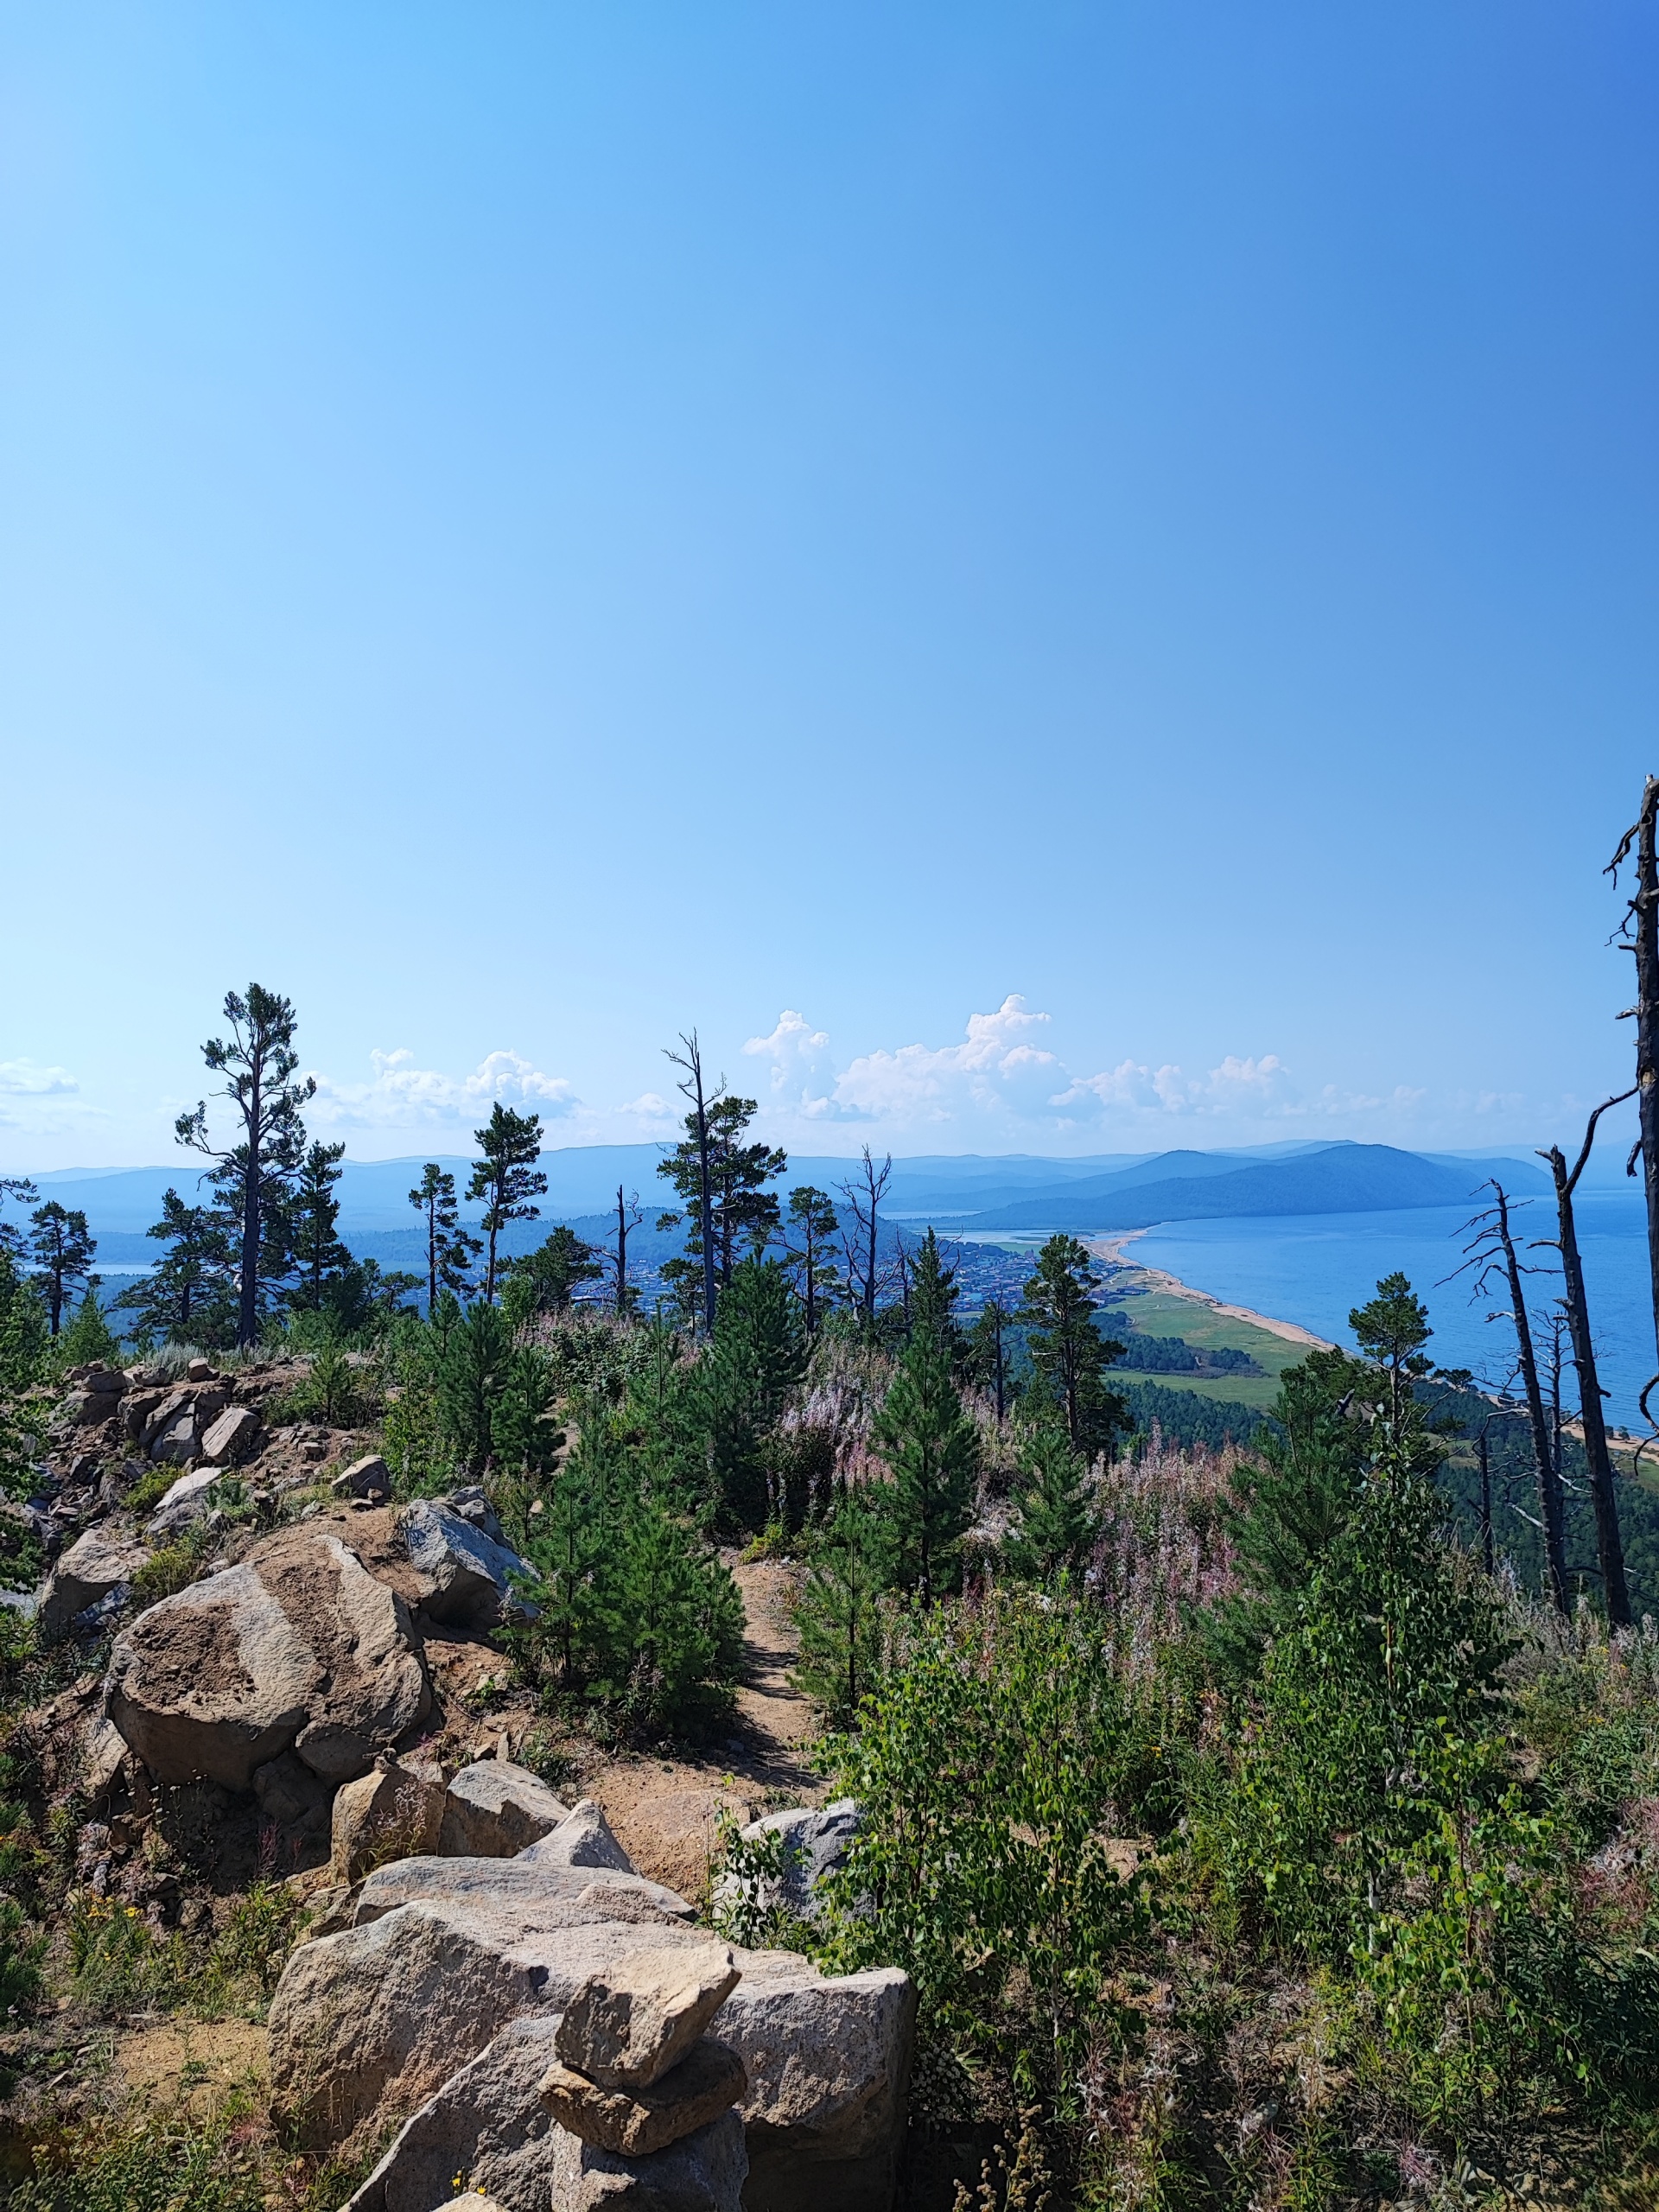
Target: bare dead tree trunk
x=1609, y=1546
x=1549, y=1487
x=1642, y=931
x=866, y=1202
x=691, y=1089
x=628, y=1216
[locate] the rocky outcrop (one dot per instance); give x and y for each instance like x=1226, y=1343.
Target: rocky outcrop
x=635, y=2123
x=295, y=1649
x=93, y=1566
x=447, y=1954
x=464, y=1574
x=494, y=1809
x=814, y=1841
x=488, y=2123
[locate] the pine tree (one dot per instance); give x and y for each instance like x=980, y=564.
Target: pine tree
x=743, y=1214
x=472, y=1370
x=13, y=1241
x=1066, y=1347
x=188, y=1297
x=61, y=1248
x=87, y=1337
x=24, y=1352
x=543, y=1281
x=1059, y=1523
x=814, y=1225
x=450, y=1250
x=313, y=1241
x=932, y=1448
x=254, y=1176
x=740, y=1384
x=574, y=1548
x=524, y=1433
x=507, y=1178
x=986, y=1358
x=839, y=1611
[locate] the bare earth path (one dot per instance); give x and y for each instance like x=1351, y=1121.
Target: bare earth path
x=666, y=1811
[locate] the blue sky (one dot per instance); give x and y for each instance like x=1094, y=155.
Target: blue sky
x=1076, y=576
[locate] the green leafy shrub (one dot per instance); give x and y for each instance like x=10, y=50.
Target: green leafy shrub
x=249, y=1954
x=117, y=1962
x=156, y=2162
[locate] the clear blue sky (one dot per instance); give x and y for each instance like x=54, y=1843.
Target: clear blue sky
x=529, y=527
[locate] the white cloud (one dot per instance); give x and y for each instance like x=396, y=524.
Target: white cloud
x=652, y=1112
x=403, y=1096
x=22, y=1078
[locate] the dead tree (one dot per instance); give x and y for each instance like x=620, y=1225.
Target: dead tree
x=1641, y=934
x=691, y=1088
x=862, y=1247
x=1609, y=1550
x=628, y=1216
x=1493, y=1253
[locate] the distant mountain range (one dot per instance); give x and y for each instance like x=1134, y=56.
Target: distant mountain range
x=1015, y=1191
x=1197, y=1186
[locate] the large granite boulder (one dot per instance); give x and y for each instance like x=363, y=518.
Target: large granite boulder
x=815, y=1840
x=391, y=1813
x=495, y=1809
x=447, y=1953
x=582, y=1837
x=464, y=1574
x=489, y=2123
x=93, y=1566
x=296, y=1648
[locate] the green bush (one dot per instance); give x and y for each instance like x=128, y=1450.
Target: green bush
x=164, y=2162
x=117, y=1962
x=247, y=1957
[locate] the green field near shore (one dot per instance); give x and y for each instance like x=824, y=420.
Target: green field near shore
x=1164, y=1313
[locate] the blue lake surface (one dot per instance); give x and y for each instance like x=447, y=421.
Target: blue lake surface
x=1314, y=1267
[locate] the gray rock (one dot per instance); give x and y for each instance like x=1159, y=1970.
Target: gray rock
x=363, y=1477
x=488, y=2123
x=628, y=2025
x=472, y=1503
x=367, y=2023
x=582, y=1837
x=816, y=1841
x=463, y=1574
x=180, y=1442
x=184, y=1502
x=292, y=1798
x=231, y=1437
x=106, y=1382
x=531, y=1891
x=296, y=1648
x=392, y=1812
x=495, y=1809
x=93, y=1566
x=636, y=2123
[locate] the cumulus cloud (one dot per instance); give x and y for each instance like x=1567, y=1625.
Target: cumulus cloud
x=1003, y=1078
x=403, y=1096
x=649, y=1111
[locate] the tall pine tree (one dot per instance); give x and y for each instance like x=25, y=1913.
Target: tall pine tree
x=929, y=1445
x=507, y=1178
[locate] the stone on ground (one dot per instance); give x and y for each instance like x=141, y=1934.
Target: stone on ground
x=93, y=1566
x=707, y=2080
x=582, y=1837
x=392, y=1812
x=363, y=1478
x=296, y=1648
x=495, y=1809
x=182, y=1505
x=816, y=1839
x=463, y=1574
x=626, y=2027
x=231, y=1438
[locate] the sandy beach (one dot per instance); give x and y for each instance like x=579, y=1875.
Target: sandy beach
x=1114, y=1247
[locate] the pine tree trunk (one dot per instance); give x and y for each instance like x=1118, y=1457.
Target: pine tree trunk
x=1549, y=1488
x=1609, y=1547
x=247, y=1320
x=1645, y=908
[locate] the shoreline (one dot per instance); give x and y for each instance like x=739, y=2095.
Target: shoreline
x=1112, y=1247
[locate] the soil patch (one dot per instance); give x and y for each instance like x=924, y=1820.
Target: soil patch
x=195, y=2060
x=192, y=1650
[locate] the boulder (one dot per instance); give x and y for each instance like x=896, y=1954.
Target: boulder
x=367, y=2023
x=105, y=1382
x=472, y=1501
x=816, y=1841
x=582, y=1837
x=93, y=1566
x=627, y=2027
x=392, y=1812
x=231, y=1438
x=292, y=1798
x=200, y=1370
x=488, y=2123
x=707, y=2081
x=180, y=1442
x=185, y=1501
x=529, y=1891
x=364, y=1478
x=463, y=1574
x=83, y=1408
x=296, y=1648
x=495, y=1810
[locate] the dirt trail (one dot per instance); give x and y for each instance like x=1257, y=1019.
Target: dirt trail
x=773, y=1713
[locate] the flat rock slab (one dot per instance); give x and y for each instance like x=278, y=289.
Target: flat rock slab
x=93, y=1566
x=295, y=1648
x=494, y=1809
x=627, y=2027
x=515, y=1885
x=707, y=2080
x=231, y=1437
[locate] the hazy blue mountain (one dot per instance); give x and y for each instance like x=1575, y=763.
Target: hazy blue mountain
x=1338, y=1179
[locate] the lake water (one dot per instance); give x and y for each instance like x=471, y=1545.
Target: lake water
x=1314, y=1267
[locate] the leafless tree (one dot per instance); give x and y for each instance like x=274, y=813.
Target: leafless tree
x=864, y=1194
x=628, y=1216
x=1641, y=936
x=1609, y=1547
x=1491, y=1254
x=691, y=1088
